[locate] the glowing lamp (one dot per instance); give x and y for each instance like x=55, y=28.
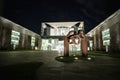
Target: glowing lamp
x=89, y=58
x=61, y=57
x=76, y=58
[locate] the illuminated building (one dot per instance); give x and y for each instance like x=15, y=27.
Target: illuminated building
x=52, y=34
x=16, y=37
x=106, y=36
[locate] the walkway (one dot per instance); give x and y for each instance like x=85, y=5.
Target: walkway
x=41, y=65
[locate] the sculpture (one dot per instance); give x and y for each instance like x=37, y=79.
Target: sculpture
x=74, y=37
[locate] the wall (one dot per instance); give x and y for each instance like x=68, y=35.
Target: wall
x=112, y=23
x=6, y=28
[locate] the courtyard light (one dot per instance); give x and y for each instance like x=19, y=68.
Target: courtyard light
x=89, y=58
x=61, y=57
x=76, y=58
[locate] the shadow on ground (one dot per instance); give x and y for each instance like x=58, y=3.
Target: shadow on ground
x=22, y=71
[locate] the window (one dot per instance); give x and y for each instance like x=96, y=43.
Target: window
x=15, y=37
x=60, y=31
x=106, y=37
x=32, y=41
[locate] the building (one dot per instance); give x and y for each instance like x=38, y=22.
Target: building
x=106, y=36
x=52, y=34
x=16, y=37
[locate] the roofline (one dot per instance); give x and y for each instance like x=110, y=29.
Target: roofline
x=99, y=25
x=2, y=18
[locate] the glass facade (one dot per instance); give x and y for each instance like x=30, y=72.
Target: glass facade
x=49, y=44
x=60, y=31
x=56, y=45
x=74, y=47
x=60, y=28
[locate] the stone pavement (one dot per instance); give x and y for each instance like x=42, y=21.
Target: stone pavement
x=41, y=65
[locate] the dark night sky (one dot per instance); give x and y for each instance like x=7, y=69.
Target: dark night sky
x=30, y=13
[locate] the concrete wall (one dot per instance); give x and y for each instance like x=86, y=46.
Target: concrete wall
x=112, y=23
x=6, y=27
x=115, y=37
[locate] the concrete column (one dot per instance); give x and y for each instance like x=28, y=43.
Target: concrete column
x=27, y=42
x=6, y=38
x=99, y=38
x=22, y=41
x=115, y=37
x=119, y=36
x=94, y=40
x=0, y=36
x=39, y=43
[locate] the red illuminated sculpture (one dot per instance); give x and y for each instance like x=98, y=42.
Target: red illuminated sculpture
x=74, y=37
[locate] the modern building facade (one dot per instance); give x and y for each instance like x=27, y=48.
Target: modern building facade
x=106, y=36
x=15, y=37
x=52, y=34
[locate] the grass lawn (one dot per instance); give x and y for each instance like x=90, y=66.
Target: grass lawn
x=98, y=53
x=116, y=55
x=72, y=58
x=103, y=53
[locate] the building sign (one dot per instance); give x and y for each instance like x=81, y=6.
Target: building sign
x=106, y=37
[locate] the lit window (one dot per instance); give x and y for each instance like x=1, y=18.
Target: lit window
x=60, y=31
x=32, y=41
x=15, y=36
x=106, y=37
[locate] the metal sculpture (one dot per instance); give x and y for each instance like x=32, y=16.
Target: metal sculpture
x=74, y=37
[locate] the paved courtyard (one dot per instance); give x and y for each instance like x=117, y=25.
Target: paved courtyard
x=41, y=65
